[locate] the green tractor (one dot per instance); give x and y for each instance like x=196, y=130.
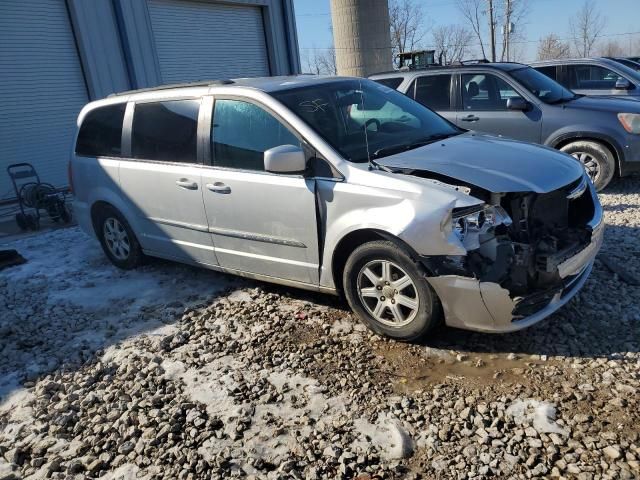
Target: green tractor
x=416, y=60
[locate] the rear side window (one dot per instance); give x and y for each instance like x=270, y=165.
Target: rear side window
x=550, y=72
x=166, y=131
x=433, y=91
x=390, y=82
x=242, y=132
x=101, y=132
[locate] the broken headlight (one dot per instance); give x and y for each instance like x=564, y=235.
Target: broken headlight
x=469, y=224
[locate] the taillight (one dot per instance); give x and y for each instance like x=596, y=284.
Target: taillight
x=70, y=174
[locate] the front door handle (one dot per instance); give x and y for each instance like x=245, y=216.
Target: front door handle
x=186, y=183
x=470, y=118
x=218, y=187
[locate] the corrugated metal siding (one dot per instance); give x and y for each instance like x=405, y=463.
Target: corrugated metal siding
x=203, y=40
x=42, y=88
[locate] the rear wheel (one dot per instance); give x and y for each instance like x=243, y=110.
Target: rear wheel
x=117, y=239
x=389, y=292
x=597, y=160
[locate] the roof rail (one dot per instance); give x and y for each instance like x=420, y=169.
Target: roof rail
x=201, y=83
x=473, y=61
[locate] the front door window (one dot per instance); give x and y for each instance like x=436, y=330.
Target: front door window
x=591, y=77
x=483, y=92
x=242, y=132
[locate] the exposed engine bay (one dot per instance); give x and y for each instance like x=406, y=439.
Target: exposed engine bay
x=519, y=241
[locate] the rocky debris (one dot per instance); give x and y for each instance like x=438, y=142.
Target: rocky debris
x=269, y=383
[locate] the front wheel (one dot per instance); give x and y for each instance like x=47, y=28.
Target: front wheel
x=387, y=289
x=597, y=160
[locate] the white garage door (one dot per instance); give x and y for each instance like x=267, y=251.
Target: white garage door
x=206, y=40
x=42, y=88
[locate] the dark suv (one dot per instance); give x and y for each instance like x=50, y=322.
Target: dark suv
x=516, y=101
x=594, y=76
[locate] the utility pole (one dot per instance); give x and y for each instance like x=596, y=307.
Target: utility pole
x=361, y=36
x=507, y=29
x=492, y=31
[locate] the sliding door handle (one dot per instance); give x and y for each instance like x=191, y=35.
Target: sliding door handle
x=470, y=118
x=218, y=187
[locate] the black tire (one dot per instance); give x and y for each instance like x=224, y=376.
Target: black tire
x=603, y=157
x=427, y=315
x=65, y=215
x=32, y=222
x=134, y=257
x=21, y=220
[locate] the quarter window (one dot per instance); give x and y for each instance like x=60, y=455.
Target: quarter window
x=166, y=131
x=101, y=132
x=486, y=92
x=242, y=132
x=591, y=77
x=433, y=91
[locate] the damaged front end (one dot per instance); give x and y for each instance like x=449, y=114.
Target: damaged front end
x=527, y=254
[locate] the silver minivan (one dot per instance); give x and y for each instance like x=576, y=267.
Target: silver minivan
x=339, y=185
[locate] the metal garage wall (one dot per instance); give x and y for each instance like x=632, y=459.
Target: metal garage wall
x=42, y=88
x=205, y=40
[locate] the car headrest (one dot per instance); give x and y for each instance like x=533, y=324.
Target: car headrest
x=473, y=89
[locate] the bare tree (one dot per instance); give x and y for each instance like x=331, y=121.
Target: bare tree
x=321, y=61
x=487, y=18
x=552, y=47
x=473, y=12
x=586, y=27
x=452, y=42
x=612, y=48
x=408, y=25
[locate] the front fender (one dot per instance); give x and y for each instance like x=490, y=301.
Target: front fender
x=418, y=219
x=582, y=132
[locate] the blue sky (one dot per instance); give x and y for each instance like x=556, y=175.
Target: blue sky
x=313, y=19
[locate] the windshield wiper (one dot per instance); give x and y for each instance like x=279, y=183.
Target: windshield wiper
x=386, y=151
x=564, y=100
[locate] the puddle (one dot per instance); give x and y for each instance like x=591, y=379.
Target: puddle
x=413, y=368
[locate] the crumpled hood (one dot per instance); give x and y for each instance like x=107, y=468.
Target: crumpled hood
x=492, y=163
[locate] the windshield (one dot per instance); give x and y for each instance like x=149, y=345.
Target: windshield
x=543, y=87
x=364, y=120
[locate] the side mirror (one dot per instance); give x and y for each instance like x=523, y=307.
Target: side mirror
x=517, y=103
x=285, y=159
x=623, y=84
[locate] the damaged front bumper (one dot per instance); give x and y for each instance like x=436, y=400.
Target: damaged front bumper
x=472, y=304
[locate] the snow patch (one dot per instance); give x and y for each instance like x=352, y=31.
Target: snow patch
x=388, y=435
x=541, y=415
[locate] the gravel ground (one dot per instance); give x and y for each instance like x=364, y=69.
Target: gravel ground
x=174, y=372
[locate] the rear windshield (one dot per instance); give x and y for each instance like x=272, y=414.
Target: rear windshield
x=101, y=132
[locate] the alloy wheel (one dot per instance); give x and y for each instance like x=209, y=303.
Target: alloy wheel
x=116, y=238
x=590, y=164
x=388, y=293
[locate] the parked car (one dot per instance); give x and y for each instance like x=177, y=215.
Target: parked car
x=634, y=65
x=516, y=101
x=299, y=181
x=593, y=76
